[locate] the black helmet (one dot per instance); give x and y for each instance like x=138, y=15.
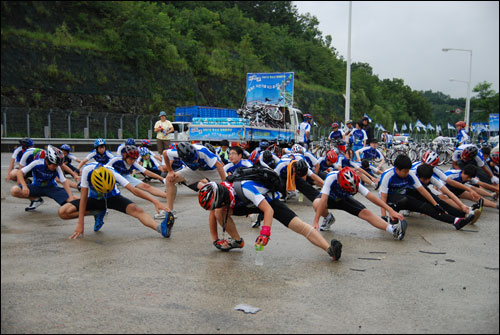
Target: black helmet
x=186, y=151
x=210, y=148
x=267, y=157
x=301, y=168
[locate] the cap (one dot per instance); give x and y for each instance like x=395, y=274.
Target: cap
x=162, y=113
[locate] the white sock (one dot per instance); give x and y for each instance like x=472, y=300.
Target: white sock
x=390, y=228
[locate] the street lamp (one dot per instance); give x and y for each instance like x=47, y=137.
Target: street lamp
x=467, y=104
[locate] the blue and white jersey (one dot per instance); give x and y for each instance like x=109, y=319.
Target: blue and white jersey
x=29, y=156
x=264, y=164
x=370, y=153
x=303, y=128
x=122, y=167
x=230, y=167
x=174, y=159
x=85, y=182
x=462, y=137
x=334, y=191
x=69, y=158
x=357, y=137
x=456, y=175
x=343, y=162
x=479, y=159
x=437, y=172
x=255, y=192
x=282, y=166
x=206, y=159
x=323, y=166
x=336, y=135
x=18, y=153
x=391, y=183
x=310, y=159
x=103, y=159
x=371, y=169
x=119, y=149
x=151, y=162
x=42, y=176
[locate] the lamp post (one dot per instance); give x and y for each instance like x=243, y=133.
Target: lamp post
x=467, y=104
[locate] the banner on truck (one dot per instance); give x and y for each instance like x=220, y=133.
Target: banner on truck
x=270, y=88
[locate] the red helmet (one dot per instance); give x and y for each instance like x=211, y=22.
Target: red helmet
x=332, y=156
x=494, y=157
x=461, y=124
x=335, y=125
x=213, y=195
x=254, y=157
x=431, y=158
x=469, y=153
x=348, y=180
x=131, y=151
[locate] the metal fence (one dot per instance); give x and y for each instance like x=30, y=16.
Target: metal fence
x=85, y=123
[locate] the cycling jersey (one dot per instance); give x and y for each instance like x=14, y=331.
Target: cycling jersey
x=230, y=167
x=303, y=128
x=334, y=191
x=437, y=172
x=121, y=166
x=357, y=137
x=282, y=166
x=370, y=153
x=206, y=159
x=224, y=155
x=336, y=135
x=456, y=175
x=175, y=161
x=255, y=192
x=262, y=163
x=119, y=149
x=29, y=156
x=18, y=153
x=103, y=159
x=42, y=176
x=479, y=160
x=85, y=182
x=69, y=158
x=391, y=183
x=343, y=162
x=462, y=137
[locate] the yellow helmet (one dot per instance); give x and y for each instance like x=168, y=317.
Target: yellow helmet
x=102, y=180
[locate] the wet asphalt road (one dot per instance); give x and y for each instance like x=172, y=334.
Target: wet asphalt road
x=128, y=279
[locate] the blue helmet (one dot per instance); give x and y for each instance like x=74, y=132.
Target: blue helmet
x=143, y=151
x=66, y=147
x=130, y=141
x=99, y=142
x=263, y=145
x=26, y=142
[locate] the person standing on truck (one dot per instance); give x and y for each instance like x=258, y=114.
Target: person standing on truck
x=304, y=131
x=163, y=128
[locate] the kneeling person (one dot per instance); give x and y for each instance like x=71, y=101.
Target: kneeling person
x=100, y=192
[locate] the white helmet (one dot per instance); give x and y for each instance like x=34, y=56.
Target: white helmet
x=54, y=155
x=431, y=158
x=297, y=149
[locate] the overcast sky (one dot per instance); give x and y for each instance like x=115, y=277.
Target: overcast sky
x=405, y=40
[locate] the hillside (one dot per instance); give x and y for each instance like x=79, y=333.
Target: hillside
x=142, y=57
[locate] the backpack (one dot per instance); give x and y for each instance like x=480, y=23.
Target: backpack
x=267, y=177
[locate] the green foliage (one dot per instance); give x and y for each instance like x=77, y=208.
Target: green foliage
x=193, y=52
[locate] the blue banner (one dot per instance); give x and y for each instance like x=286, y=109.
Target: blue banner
x=493, y=122
x=270, y=88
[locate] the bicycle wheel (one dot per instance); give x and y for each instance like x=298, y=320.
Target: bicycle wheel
x=274, y=113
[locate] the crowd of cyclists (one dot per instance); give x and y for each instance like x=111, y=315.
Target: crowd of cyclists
x=231, y=181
